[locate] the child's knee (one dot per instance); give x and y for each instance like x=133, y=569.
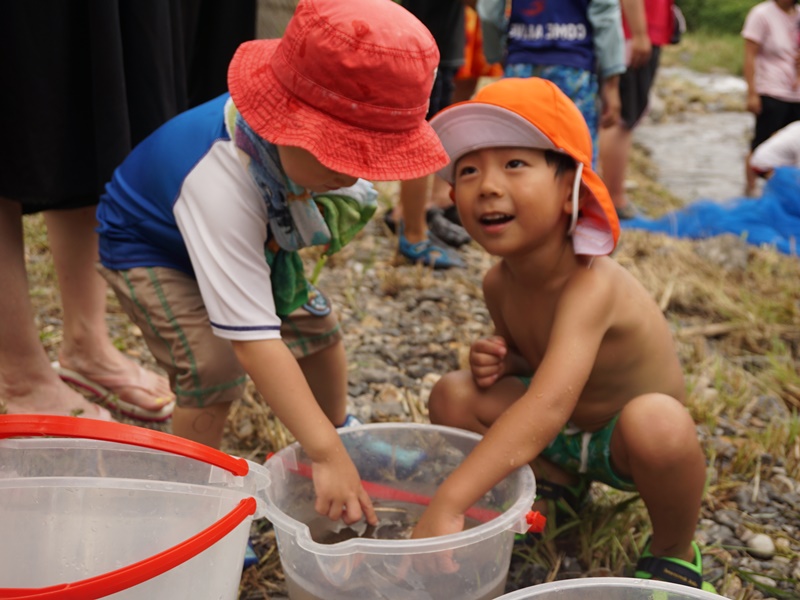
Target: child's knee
x=659, y=429
x=449, y=402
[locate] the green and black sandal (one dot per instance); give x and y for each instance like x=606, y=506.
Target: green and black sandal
x=673, y=570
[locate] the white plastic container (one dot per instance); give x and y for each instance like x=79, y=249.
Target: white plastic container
x=120, y=511
x=403, y=462
x=609, y=588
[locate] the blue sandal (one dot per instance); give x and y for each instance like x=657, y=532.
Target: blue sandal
x=427, y=253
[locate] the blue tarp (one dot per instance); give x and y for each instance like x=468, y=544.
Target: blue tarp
x=773, y=219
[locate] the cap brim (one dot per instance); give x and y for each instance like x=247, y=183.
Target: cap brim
x=283, y=119
x=470, y=126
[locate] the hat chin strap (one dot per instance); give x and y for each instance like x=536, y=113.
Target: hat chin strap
x=576, y=188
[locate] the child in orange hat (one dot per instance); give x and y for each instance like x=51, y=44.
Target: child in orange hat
x=201, y=224
x=581, y=377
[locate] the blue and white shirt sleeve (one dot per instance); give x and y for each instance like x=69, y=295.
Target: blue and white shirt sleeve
x=605, y=17
x=223, y=220
x=494, y=27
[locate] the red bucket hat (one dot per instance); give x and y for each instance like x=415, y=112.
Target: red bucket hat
x=350, y=82
x=534, y=113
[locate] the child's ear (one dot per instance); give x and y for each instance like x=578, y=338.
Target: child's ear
x=583, y=193
x=568, y=181
x=452, y=193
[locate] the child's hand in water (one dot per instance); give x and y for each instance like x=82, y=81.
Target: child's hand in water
x=436, y=521
x=340, y=494
x=487, y=360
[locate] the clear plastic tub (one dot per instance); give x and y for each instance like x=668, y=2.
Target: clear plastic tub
x=87, y=518
x=609, y=588
x=400, y=463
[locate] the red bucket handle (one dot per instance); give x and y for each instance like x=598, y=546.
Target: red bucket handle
x=71, y=427
x=144, y=570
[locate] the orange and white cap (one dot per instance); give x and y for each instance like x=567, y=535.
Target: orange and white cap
x=534, y=113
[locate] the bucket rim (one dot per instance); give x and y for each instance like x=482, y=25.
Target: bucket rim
x=507, y=521
x=29, y=425
x=585, y=583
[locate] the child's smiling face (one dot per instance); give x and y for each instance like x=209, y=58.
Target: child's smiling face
x=511, y=199
x=306, y=171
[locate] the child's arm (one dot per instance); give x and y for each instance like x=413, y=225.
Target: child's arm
x=280, y=381
x=641, y=46
x=609, y=48
x=609, y=39
x=610, y=102
x=751, y=50
x=524, y=429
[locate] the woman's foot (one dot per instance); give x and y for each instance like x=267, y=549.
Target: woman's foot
x=122, y=384
x=50, y=396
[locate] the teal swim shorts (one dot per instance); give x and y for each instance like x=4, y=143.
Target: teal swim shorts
x=586, y=454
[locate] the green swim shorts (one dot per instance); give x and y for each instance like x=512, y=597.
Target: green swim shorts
x=586, y=454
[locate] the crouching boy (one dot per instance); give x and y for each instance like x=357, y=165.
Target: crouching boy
x=581, y=377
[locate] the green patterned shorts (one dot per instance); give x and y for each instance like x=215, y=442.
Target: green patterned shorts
x=586, y=454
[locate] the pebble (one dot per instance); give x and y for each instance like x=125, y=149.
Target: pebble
x=761, y=546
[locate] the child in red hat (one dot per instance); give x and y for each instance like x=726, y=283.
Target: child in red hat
x=581, y=377
x=201, y=224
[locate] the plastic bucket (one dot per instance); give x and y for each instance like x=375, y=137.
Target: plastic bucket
x=111, y=510
x=609, y=588
x=399, y=463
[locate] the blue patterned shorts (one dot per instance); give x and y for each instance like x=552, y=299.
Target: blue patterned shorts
x=579, y=85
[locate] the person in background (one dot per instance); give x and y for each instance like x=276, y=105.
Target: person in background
x=648, y=26
x=772, y=71
x=781, y=149
x=581, y=376
x=69, y=117
x=201, y=225
x=569, y=43
x=422, y=229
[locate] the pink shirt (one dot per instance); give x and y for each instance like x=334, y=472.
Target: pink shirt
x=776, y=32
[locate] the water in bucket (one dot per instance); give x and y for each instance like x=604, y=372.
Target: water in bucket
x=106, y=510
x=393, y=569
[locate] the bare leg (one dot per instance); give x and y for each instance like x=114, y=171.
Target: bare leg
x=203, y=425
x=414, y=195
x=456, y=401
x=326, y=374
x=440, y=193
x=615, y=148
x=749, y=177
x=87, y=348
x=27, y=383
x=655, y=443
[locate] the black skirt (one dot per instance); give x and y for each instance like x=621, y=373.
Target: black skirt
x=83, y=81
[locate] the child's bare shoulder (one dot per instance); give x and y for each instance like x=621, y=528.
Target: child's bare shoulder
x=602, y=284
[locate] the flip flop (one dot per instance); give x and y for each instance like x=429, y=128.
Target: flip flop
x=101, y=415
x=111, y=399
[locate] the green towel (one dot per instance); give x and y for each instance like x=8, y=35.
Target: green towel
x=345, y=217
